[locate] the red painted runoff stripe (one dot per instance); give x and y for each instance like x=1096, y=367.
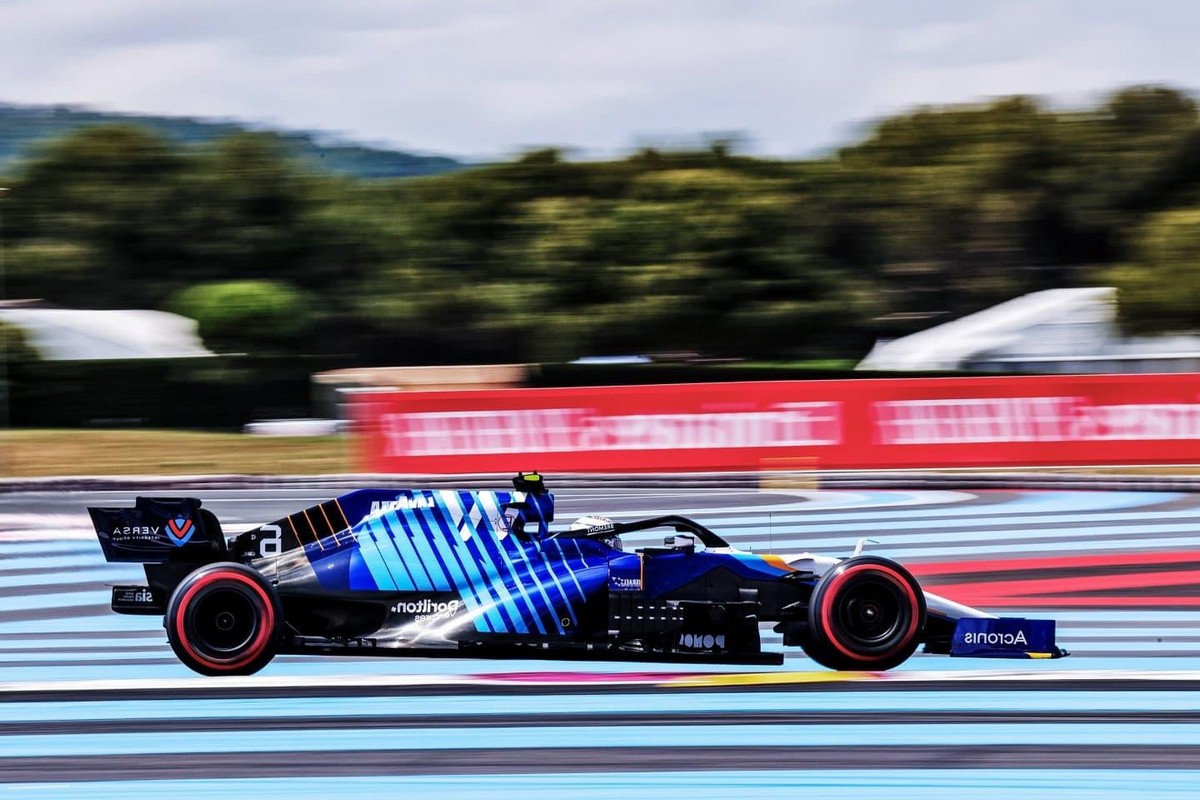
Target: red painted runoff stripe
x=1064, y=580
x=1078, y=583
x=1083, y=601
x=1052, y=562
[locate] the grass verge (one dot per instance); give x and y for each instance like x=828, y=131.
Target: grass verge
x=43, y=453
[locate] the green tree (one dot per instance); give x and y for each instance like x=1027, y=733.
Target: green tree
x=249, y=316
x=243, y=202
x=64, y=271
x=1159, y=289
x=930, y=215
x=112, y=191
x=14, y=346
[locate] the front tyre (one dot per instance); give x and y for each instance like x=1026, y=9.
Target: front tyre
x=867, y=613
x=224, y=619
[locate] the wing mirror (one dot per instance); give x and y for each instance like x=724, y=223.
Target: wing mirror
x=680, y=541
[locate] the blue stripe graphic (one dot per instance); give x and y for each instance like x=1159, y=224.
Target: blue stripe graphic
x=528, y=573
x=503, y=545
x=420, y=543
x=407, y=554
x=563, y=556
x=540, y=551
x=516, y=602
x=371, y=556
x=472, y=563
x=485, y=537
x=480, y=539
x=402, y=573
x=458, y=558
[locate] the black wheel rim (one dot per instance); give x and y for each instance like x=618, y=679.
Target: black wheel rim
x=223, y=621
x=872, y=614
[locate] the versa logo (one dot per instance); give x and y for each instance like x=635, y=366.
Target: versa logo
x=181, y=529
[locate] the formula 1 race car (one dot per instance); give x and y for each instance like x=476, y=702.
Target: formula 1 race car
x=480, y=574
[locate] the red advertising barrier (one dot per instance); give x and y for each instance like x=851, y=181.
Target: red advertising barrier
x=846, y=424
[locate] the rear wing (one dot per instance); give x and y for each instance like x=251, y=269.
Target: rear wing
x=177, y=530
x=158, y=530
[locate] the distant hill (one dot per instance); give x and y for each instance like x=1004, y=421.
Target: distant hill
x=23, y=126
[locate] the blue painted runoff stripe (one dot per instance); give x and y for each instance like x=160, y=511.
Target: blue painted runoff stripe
x=63, y=564
x=16, y=549
x=999, y=547
x=824, y=501
x=329, y=667
x=793, y=521
x=1015, y=700
x=1050, y=502
x=51, y=644
x=597, y=737
x=73, y=624
x=61, y=600
x=92, y=572
x=914, y=784
x=97, y=656
x=1000, y=539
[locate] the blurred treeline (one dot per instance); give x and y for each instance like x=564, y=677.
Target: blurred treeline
x=931, y=215
x=22, y=126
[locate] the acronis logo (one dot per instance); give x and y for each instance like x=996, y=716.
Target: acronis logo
x=1003, y=639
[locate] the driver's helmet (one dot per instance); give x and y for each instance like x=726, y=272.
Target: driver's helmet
x=598, y=525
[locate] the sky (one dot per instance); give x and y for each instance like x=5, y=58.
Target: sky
x=490, y=78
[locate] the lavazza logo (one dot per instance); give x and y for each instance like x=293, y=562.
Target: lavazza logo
x=1009, y=639
x=426, y=608
x=403, y=503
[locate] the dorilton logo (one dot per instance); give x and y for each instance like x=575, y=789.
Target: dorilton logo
x=426, y=608
x=622, y=583
x=1005, y=639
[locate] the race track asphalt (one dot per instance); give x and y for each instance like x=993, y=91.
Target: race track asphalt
x=95, y=705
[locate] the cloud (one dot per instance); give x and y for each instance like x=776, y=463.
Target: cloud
x=488, y=76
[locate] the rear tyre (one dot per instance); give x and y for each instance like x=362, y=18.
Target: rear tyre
x=224, y=619
x=867, y=613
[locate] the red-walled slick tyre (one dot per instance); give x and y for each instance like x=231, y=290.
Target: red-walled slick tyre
x=224, y=619
x=867, y=613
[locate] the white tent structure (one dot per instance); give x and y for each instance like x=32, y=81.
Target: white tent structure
x=1057, y=330
x=67, y=334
